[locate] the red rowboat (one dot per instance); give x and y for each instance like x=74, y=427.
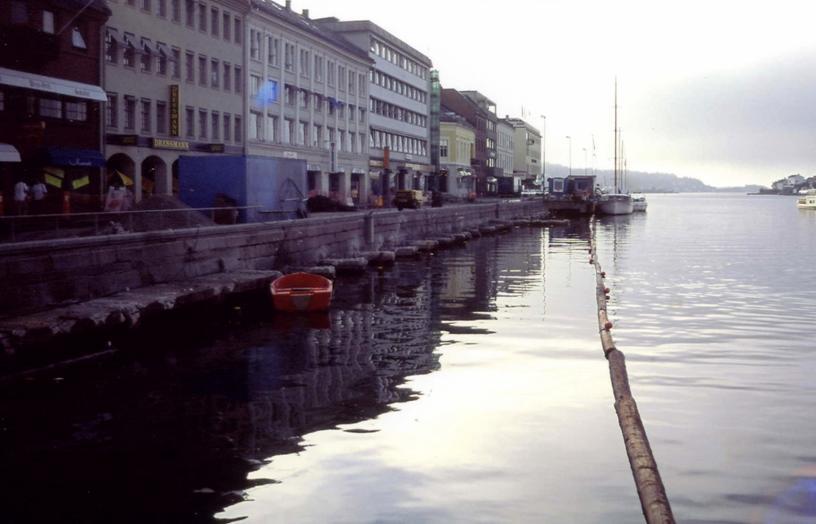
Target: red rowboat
x=301, y=292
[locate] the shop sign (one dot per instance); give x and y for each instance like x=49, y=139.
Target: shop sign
x=164, y=143
x=289, y=154
x=215, y=148
x=174, y=110
x=123, y=140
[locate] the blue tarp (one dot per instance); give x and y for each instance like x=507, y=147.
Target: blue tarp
x=66, y=157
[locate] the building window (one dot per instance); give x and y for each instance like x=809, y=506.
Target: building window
x=301, y=133
x=254, y=126
x=238, y=80
x=129, y=54
x=330, y=74
x=303, y=100
x=316, y=103
x=227, y=128
x=341, y=78
x=161, y=58
x=189, y=122
x=176, y=63
x=288, y=131
x=202, y=17
x=111, y=48
x=225, y=26
x=202, y=123
x=147, y=56
x=161, y=117
x=77, y=40
x=237, y=134
x=227, y=78
x=216, y=124
x=162, y=8
x=48, y=22
x=175, y=7
x=190, y=6
x=443, y=148
x=289, y=95
x=146, y=115
x=112, y=110
x=273, y=57
x=214, y=72
x=130, y=113
x=214, y=21
x=304, y=63
x=318, y=68
x=19, y=12
x=254, y=44
x=352, y=82
x=317, y=131
x=271, y=128
x=237, y=35
x=362, y=115
x=189, y=66
x=362, y=87
x=76, y=111
x=202, y=70
x=50, y=108
x=289, y=56
x=146, y=5
x=254, y=85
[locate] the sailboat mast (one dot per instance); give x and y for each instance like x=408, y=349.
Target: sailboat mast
x=616, y=134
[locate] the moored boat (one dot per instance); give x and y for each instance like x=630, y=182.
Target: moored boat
x=615, y=204
x=808, y=201
x=639, y=202
x=301, y=292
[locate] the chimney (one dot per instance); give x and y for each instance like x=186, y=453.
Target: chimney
x=288, y=5
x=306, y=14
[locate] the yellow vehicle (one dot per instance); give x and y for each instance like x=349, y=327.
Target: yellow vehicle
x=411, y=198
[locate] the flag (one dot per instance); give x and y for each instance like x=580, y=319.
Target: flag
x=267, y=94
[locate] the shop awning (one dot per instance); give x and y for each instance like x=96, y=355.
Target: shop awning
x=58, y=156
x=8, y=153
x=49, y=84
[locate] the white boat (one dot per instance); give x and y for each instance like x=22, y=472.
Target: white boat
x=808, y=201
x=616, y=204
x=639, y=203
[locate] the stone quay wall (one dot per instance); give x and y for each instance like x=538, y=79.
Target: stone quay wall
x=36, y=276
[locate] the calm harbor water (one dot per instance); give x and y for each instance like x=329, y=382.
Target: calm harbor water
x=468, y=387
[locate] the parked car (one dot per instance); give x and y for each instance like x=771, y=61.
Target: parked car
x=411, y=198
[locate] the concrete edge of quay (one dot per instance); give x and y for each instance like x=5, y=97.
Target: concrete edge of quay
x=71, y=286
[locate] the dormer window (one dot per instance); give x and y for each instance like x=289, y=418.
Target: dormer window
x=77, y=39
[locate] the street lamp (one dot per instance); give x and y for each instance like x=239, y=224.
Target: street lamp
x=585, y=161
x=570, y=154
x=543, y=150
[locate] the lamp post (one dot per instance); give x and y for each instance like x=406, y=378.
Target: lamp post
x=543, y=150
x=585, y=161
x=570, y=155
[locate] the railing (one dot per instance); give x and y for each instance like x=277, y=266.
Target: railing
x=20, y=228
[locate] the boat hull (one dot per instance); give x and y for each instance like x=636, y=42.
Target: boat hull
x=301, y=293
x=615, y=205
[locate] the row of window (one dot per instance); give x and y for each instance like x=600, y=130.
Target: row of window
x=299, y=133
x=397, y=143
x=22, y=14
x=397, y=86
x=265, y=94
x=54, y=108
x=395, y=57
x=464, y=150
x=165, y=60
x=153, y=117
x=392, y=111
x=307, y=63
x=218, y=23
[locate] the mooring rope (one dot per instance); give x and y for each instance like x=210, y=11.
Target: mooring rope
x=653, y=498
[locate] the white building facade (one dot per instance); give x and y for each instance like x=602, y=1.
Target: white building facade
x=307, y=98
x=175, y=85
x=504, y=147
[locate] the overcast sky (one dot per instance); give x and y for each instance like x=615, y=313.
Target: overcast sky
x=723, y=91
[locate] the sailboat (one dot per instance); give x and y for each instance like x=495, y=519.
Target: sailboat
x=618, y=202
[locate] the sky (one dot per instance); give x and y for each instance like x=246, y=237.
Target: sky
x=718, y=90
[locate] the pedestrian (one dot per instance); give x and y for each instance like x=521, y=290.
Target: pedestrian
x=38, y=191
x=21, y=197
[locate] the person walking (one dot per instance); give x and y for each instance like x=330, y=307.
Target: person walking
x=21, y=197
x=38, y=192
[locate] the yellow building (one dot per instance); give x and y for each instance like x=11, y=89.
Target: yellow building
x=457, y=141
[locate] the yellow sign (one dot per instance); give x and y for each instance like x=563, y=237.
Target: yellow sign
x=164, y=143
x=81, y=182
x=174, y=110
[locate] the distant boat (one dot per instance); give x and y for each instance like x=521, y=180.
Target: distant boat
x=301, y=292
x=808, y=201
x=617, y=203
x=639, y=202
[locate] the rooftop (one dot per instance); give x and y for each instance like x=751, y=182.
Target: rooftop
x=356, y=26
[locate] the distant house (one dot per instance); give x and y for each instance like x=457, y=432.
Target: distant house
x=796, y=180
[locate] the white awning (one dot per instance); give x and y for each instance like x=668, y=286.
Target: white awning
x=8, y=153
x=49, y=84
